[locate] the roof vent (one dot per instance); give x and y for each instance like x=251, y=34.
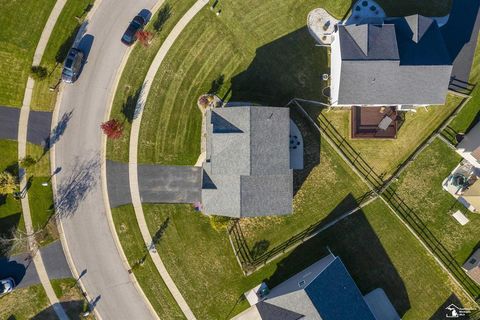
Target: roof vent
x=301, y=283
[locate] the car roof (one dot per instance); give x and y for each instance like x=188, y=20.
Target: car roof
x=139, y=19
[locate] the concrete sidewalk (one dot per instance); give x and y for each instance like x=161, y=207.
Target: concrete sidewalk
x=133, y=153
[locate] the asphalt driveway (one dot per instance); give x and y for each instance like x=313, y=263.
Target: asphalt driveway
x=158, y=184
x=9, y=119
x=22, y=269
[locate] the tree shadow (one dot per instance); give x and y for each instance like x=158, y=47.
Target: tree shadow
x=360, y=250
x=217, y=84
x=129, y=107
x=163, y=15
x=291, y=66
x=75, y=187
x=259, y=248
x=57, y=132
x=73, y=308
x=7, y=225
x=158, y=235
x=62, y=51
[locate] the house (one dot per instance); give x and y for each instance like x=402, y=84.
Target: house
x=472, y=266
x=246, y=171
x=392, y=62
x=323, y=291
x=469, y=147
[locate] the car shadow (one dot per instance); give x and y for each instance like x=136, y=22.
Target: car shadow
x=85, y=44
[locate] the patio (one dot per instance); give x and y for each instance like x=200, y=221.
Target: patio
x=374, y=122
x=463, y=184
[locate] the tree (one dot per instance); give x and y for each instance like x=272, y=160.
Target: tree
x=38, y=72
x=144, y=37
x=113, y=129
x=8, y=184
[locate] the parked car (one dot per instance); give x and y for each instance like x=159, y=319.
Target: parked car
x=135, y=25
x=6, y=285
x=73, y=65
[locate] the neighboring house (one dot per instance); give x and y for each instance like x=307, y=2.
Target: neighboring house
x=472, y=266
x=469, y=147
x=247, y=172
x=323, y=291
x=397, y=62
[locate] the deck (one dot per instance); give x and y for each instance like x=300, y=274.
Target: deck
x=365, y=123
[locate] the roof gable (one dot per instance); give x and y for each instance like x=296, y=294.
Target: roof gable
x=335, y=287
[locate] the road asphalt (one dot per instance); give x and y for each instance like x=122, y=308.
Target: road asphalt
x=79, y=190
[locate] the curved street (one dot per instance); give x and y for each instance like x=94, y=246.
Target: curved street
x=80, y=200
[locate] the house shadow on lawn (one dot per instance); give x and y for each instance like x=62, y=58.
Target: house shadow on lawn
x=442, y=311
x=362, y=253
x=260, y=252
x=291, y=66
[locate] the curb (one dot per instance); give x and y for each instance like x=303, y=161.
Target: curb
x=103, y=169
x=63, y=239
x=133, y=153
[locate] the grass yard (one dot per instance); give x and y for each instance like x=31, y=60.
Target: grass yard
x=22, y=24
x=71, y=298
x=146, y=272
x=329, y=190
x=385, y=156
x=420, y=186
x=60, y=41
x=131, y=81
x=257, y=56
x=10, y=209
x=376, y=248
x=41, y=197
x=26, y=303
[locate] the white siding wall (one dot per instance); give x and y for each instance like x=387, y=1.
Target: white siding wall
x=335, y=69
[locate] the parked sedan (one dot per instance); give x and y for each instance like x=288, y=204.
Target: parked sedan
x=6, y=285
x=72, y=66
x=130, y=34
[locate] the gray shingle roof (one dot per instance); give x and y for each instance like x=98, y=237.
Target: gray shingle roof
x=325, y=290
x=247, y=167
x=406, y=62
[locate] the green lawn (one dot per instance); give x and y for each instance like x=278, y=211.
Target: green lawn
x=261, y=57
x=329, y=190
x=22, y=24
x=134, y=74
x=70, y=295
x=26, y=303
x=376, y=248
x=41, y=197
x=60, y=41
x=386, y=155
x=146, y=273
x=420, y=186
x=10, y=209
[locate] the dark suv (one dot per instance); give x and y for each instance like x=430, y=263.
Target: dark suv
x=130, y=34
x=72, y=66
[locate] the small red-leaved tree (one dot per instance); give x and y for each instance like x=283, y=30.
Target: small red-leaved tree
x=113, y=129
x=144, y=37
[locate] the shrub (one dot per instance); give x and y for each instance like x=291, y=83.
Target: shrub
x=219, y=223
x=8, y=183
x=113, y=129
x=38, y=72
